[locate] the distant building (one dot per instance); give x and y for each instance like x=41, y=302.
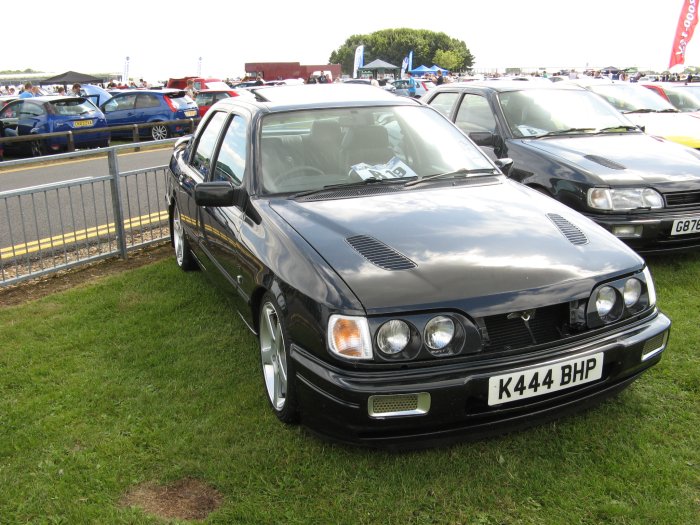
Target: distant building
x=284, y=70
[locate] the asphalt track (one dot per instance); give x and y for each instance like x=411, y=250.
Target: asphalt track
x=70, y=217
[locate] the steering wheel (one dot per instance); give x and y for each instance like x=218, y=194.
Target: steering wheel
x=307, y=170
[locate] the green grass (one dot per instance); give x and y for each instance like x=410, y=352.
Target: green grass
x=150, y=376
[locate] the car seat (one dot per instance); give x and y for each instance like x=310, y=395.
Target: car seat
x=322, y=146
x=368, y=144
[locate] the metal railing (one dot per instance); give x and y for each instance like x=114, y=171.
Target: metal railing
x=52, y=227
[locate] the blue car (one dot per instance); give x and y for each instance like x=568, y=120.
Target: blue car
x=159, y=106
x=50, y=114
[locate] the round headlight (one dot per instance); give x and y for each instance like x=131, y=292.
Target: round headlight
x=439, y=332
x=605, y=300
x=393, y=336
x=632, y=292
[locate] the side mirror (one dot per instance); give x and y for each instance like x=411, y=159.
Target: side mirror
x=483, y=138
x=504, y=164
x=218, y=194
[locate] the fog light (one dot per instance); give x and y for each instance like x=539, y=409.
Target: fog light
x=627, y=231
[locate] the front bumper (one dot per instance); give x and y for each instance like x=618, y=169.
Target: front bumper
x=655, y=231
x=336, y=402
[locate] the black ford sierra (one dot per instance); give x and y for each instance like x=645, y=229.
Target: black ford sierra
x=403, y=290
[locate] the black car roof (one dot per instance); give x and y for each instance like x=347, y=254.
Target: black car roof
x=314, y=96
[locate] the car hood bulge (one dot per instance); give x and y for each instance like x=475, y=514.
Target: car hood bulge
x=474, y=247
x=624, y=158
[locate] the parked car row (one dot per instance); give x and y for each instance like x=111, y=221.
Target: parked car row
x=402, y=287
x=37, y=115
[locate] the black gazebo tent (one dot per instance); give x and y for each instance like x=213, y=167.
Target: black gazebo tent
x=379, y=67
x=71, y=77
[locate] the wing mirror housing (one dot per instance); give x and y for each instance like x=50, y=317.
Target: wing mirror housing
x=218, y=194
x=504, y=164
x=483, y=138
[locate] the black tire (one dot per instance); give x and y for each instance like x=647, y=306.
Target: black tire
x=279, y=376
x=183, y=254
x=160, y=131
x=37, y=148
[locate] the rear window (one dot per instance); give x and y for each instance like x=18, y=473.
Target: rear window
x=74, y=106
x=180, y=100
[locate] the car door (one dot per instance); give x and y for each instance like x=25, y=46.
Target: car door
x=221, y=226
x=119, y=111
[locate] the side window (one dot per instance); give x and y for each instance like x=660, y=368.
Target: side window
x=147, y=101
x=120, y=103
x=475, y=114
x=11, y=111
x=230, y=164
x=206, y=143
x=31, y=110
x=444, y=102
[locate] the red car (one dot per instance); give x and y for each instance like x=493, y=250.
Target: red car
x=208, y=97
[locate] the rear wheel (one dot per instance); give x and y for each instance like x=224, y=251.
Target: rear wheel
x=183, y=255
x=160, y=132
x=277, y=366
x=37, y=148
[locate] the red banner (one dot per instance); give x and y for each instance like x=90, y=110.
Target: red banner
x=686, y=25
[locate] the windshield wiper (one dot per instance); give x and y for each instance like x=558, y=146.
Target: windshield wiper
x=667, y=110
x=364, y=182
x=641, y=110
x=564, y=132
x=464, y=172
x=624, y=127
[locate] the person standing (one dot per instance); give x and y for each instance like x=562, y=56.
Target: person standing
x=27, y=93
x=440, y=79
x=411, y=85
x=190, y=90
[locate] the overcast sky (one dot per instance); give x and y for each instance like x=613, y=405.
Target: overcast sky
x=167, y=38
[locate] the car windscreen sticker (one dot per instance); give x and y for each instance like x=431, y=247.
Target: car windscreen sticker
x=394, y=169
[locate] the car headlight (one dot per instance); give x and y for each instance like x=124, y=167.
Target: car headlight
x=605, y=301
x=439, y=332
x=632, y=292
x=349, y=337
x=619, y=199
x=393, y=336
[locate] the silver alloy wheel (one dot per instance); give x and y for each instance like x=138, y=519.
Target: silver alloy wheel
x=178, y=237
x=273, y=356
x=159, y=132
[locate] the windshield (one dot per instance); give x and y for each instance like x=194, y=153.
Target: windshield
x=683, y=99
x=307, y=150
x=538, y=112
x=72, y=107
x=631, y=97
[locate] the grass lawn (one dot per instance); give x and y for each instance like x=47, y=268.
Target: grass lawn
x=150, y=377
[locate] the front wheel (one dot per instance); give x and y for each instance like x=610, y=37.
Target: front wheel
x=160, y=132
x=183, y=255
x=277, y=366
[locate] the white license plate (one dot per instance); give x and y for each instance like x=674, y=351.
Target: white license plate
x=542, y=380
x=190, y=112
x=685, y=226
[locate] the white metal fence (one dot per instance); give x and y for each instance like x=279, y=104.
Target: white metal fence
x=44, y=229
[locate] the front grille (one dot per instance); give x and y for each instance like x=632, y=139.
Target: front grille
x=682, y=198
x=505, y=334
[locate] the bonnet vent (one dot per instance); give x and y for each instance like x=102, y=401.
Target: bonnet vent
x=605, y=162
x=379, y=253
x=570, y=231
x=352, y=192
